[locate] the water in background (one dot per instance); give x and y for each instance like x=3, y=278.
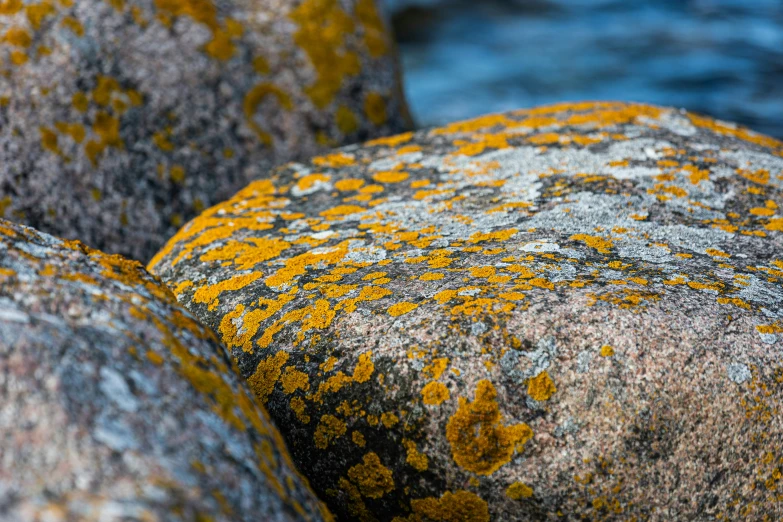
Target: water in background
x=468, y=57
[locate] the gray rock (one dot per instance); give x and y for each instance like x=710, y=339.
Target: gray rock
x=118, y=405
x=622, y=260
x=121, y=120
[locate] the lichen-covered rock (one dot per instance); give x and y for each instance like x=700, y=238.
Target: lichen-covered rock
x=118, y=405
x=565, y=313
x=120, y=120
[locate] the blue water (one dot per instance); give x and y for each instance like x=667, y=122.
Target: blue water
x=462, y=58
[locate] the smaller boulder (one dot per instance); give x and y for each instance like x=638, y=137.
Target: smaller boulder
x=118, y=405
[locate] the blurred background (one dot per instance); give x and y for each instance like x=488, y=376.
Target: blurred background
x=463, y=58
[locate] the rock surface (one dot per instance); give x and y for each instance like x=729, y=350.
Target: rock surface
x=120, y=120
x=118, y=405
x=565, y=313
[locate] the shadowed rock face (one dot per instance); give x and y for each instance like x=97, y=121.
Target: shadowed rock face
x=120, y=120
x=118, y=405
x=571, y=312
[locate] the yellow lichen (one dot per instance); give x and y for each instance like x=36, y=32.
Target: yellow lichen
x=401, y=308
x=413, y=457
x=541, y=387
x=263, y=380
x=518, y=491
x=460, y=506
x=434, y=393
x=479, y=441
x=329, y=429
x=373, y=479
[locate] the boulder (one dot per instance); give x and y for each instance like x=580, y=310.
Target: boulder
x=573, y=312
x=121, y=120
x=117, y=404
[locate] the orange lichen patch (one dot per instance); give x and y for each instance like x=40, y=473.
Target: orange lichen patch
x=37, y=12
x=434, y=393
x=732, y=130
x=518, y=491
x=401, y=308
x=345, y=185
x=774, y=328
x=375, y=108
x=606, y=351
x=374, y=31
x=431, y=276
x=460, y=506
x=413, y=457
x=373, y=479
x=342, y=210
x=263, y=380
x=541, y=387
x=310, y=181
x=18, y=37
x=760, y=176
x=209, y=293
x=390, y=141
x=717, y=253
x=246, y=254
x=329, y=429
x=775, y=224
x=695, y=174
x=602, y=245
x=293, y=379
x=625, y=298
x=389, y=420
x=298, y=406
x=358, y=439
x=498, y=235
x=509, y=206
x=254, y=98
x=364, y=368
x=736, y=301
x=436, y=368
x=391, y=177
x=479, y=441
x=323, y=26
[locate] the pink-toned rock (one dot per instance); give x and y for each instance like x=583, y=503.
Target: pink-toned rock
x=566, y=313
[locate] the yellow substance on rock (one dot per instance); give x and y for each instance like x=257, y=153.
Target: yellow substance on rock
x=323, y=26
x=541, y=387
x=373, y=479
x=358, y=439
x=480, y=442
x=607, y=351
x=434, y=393
x=460, y=506
x=401, y=308
x=329, y=429
x=263, y=380
x=416, y=459
x=518, y=491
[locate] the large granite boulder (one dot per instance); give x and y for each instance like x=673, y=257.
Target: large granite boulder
x=118, y=405
x=565, y=313
x=121, y=120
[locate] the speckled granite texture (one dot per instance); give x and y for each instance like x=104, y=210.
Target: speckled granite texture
x=117, y=405
x=573, y=312
x=122, y=119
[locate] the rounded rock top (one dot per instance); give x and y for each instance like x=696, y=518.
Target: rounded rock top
x=572, y=312
x=119, y=405
x=122, y=119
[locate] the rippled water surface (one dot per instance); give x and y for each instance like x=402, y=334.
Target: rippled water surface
x=719, y=57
